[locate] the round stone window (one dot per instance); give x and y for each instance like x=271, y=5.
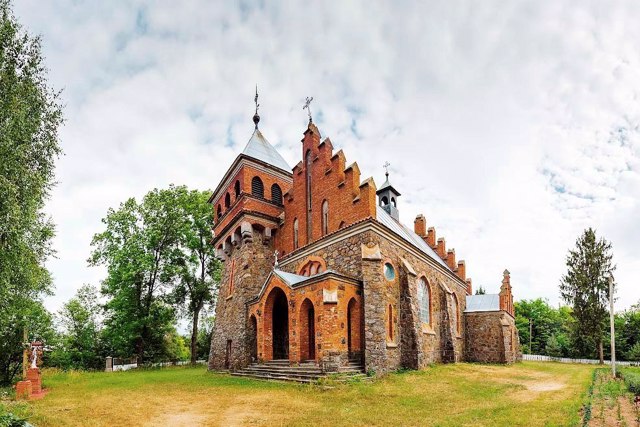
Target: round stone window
x=389, y=272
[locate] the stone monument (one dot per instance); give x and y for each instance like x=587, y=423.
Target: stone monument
x=31, y=385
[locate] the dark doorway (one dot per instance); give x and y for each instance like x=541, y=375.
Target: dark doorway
x=312, y=333
x=227, y=355
x=354, y=334
x=307, y=330
x=280, y=327
x=253, y=338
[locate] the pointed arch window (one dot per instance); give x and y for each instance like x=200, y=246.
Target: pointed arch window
x=295, y=233
x=307, y=161
x=456, y=315
x=227, y=201
x=236, y=188
x=390, y=323
x=424, y=300
x=325, y=217
x=257, y=187
x=276, y=194
x=219, y=211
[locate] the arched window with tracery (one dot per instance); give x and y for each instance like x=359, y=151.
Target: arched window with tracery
x=295, y=233
x=325, y=217
x=276, y=194
x=424, y=300
x=311, y=268
x=257, y=187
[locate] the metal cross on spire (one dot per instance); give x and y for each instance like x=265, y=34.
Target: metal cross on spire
x=256, y=100
x=256, y=117
x=308, y=107
x=386, y=169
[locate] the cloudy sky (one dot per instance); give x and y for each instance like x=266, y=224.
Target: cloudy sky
x=511, y=126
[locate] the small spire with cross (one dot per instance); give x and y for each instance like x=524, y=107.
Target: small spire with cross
x=256, y=117
x=386, y=169
x=308, y=107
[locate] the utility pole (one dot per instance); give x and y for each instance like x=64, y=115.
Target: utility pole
x=530, y=334
x=613, y=328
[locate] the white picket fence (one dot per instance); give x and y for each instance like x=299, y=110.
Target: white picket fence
x=541, y=358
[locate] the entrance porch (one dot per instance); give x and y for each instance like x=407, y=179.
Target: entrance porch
x=301, y=319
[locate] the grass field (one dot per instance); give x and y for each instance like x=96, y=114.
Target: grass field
x=526, y=394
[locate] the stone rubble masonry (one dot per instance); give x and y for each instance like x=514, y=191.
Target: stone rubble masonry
x=492, y=337
x=249, y=265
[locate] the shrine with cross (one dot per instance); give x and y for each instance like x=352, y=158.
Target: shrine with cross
x=320, y=272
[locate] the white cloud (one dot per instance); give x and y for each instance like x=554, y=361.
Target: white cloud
x=497, y=118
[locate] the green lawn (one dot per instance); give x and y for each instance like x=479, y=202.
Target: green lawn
x=449, y=395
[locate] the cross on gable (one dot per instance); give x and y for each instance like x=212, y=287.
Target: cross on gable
x=308, y=107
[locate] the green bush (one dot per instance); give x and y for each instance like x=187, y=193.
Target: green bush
x=7, y=419
x=632, y=379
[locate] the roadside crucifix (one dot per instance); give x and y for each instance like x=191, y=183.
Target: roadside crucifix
x=308, y=107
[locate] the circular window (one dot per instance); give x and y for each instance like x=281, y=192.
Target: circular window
x=389, y=272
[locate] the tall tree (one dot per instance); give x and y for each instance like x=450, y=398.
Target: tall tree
x=30, y=114
x=140, y=249
x=79, y=343
x=585, y=287
x=198, y=269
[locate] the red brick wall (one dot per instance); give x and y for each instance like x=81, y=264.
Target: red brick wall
x=331, y=322
x=349, y=201
x=246, y=202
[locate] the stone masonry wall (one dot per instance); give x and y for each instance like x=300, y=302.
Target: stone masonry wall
x=415, y=345
x=243, y=276
x=492, y=337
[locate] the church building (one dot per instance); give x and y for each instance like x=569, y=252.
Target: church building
x=319, y=270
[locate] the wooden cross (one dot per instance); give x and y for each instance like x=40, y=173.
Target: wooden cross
x=308, y=107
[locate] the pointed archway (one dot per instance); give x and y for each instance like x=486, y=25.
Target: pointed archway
x=354, y=334
x=307, y=331
x=253, y=339
x=277, y=308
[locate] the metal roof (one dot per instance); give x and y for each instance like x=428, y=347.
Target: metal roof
x=259, y=148
x=409, y=235
x=489, y=302
x=290, y=278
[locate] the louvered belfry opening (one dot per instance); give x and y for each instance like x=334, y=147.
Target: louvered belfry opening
x=276, y=194
x=257, y=188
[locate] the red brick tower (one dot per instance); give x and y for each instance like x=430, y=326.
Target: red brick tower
x=247, y=205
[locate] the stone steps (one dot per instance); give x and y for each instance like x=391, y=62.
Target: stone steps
x=305, y=372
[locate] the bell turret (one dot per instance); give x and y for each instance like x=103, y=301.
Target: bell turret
x=388, y=196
